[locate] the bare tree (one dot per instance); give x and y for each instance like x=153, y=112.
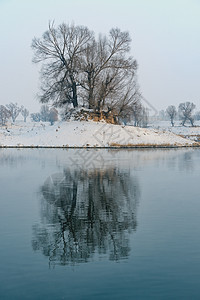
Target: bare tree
x=139, y=114
x=44, y=113
x=24, y=113
x=171, y=111
x=53, y=115
x=144, y=119
x=108, y=72
x=162, y=115
x=77, y=68
x=185, y=112
x=14, y=110
x=60, y=49
x=197, y=115
x=36, y=117
x=4, y=115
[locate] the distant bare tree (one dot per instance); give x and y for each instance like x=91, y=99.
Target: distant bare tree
x=53, y=115
x=144, y=117
x=185, y=112
x=171, y=111
x=4, y=115
x=136, y=112
x=44, y=113
x=139, y=114
x=162, y=115
x=24, y=113
x=36, y=117
x=14, y=110
x=197, y=116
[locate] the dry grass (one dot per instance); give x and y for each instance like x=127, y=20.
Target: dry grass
x=142, y=145
x=85, y=115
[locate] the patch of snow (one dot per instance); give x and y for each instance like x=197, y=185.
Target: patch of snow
x=86, y=134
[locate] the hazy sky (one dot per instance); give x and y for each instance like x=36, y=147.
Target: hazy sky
x=165, y=41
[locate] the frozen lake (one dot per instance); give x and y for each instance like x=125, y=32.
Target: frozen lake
x=99, y=224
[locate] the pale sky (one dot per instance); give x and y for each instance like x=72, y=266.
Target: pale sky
x=165, y=42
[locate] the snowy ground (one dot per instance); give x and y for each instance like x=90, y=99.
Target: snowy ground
x=186, y=131
x=88, y=134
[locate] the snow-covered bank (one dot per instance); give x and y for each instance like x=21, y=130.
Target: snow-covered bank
x=185, y=131
x=86, y=134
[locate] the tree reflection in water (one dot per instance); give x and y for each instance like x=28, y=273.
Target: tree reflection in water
x=87, y=213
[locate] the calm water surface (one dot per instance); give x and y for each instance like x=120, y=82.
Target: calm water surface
x=99, y=224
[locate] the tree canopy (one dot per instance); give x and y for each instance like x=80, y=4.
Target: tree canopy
x=79, y=69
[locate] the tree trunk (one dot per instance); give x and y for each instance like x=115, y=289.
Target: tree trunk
x=74, y=95
x=91, y=98
x=184, y=120
x=192, y=122
x=91, y=91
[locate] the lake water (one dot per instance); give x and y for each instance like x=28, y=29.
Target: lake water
x=99, y=224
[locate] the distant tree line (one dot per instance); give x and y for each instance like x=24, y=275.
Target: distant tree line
x=184, y=113
x=45, y=115
x=12, y=110
x=80, y=70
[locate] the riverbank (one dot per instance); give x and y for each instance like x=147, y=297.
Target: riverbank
x=81, y=134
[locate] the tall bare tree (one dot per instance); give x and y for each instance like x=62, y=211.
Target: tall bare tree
x=53, y=115
x=4, y=115
x=139, y=114
x=44, y=113
x=60, y=49
x=186, y=111
x=24, y=113
x=14, y=110
x=108, y=71
x=77, y=68
x=171, y=111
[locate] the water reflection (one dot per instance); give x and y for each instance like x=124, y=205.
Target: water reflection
x=182, y=162
x=8, y=158
x=87, y=213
